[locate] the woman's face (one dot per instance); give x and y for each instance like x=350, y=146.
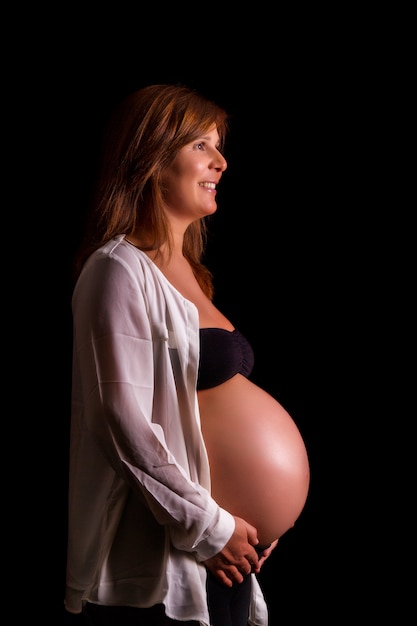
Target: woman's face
x=190, y=181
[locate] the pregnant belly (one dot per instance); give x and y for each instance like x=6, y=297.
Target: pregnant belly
x=258, y=461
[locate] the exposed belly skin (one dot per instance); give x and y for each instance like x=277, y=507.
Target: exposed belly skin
x=259, y=464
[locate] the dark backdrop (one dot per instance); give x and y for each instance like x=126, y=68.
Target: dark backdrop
x=286, y=249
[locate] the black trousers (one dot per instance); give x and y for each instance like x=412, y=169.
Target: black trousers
x=228, y=606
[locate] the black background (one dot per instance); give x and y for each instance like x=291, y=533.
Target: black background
x=289, y=248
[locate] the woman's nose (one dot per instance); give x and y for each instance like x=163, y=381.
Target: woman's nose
x=222, y=163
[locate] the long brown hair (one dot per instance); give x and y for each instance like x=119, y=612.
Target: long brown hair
x=142, y=137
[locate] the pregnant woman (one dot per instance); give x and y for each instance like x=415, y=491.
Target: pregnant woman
x=183, y=473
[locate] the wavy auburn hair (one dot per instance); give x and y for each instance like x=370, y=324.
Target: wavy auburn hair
x=142, y=138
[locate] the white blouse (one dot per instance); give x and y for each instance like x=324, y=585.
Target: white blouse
x=141, y=518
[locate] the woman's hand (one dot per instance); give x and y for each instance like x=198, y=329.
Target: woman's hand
x=263, y=556
x=238, y=557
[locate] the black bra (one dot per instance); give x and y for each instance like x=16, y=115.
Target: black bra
x=223, y=353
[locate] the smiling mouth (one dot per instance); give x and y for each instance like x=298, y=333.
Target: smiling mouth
x=208, y=185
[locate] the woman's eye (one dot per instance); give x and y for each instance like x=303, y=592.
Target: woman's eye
x=199, y=146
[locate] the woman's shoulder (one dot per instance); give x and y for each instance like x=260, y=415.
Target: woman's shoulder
x=113, y=263
x=117, y=252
